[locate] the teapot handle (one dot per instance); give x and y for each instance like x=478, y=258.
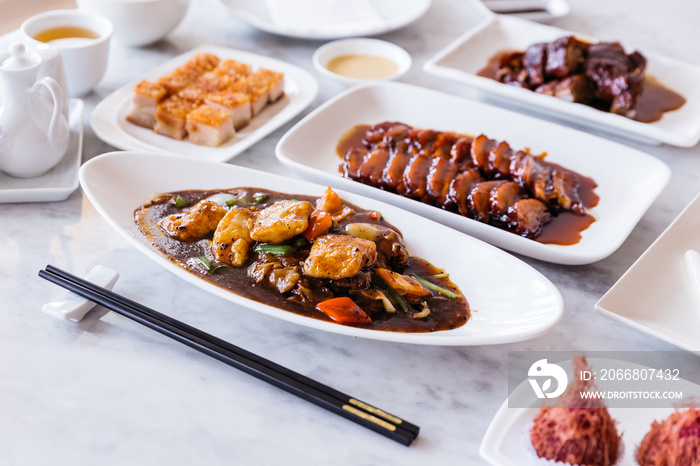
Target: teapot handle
x=57, y=96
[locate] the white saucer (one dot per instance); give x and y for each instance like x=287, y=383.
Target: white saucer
x=59, y=182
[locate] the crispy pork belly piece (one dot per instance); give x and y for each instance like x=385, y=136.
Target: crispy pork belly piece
x=206, y=84
x=256, y=89
x=147, y=96
x=275, y=82
x=339, y=256
x=171, y=116
x=237, y=104
x=231, y=241
x=208, y=126
x=281, y=221
x=564, y=57
x=234, y=69
x=196, y=223
x=186, y=74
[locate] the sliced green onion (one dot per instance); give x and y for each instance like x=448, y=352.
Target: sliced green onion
x=218, y=269
x=300, y=241
x=205, y=260
x=180, y=202
x=434, y=287
x=260, y=197
x=231, y=202
x=441, y=275
x=207, y=263
x=277, y=249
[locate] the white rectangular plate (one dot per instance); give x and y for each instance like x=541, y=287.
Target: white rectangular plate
x=109, y=117
x=464, y=58
x=59, y=182
x=513, y=301
x=656, y=295
x=506, y=442
x=309, y=149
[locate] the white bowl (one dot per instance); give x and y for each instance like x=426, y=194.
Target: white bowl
x=375, y=47
x=139, y=22
x=84, y=60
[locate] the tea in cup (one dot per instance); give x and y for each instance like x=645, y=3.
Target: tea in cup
x=82, y=39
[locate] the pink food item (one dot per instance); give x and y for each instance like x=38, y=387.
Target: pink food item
x=675, y=441
x=584, y=434
x=208, y=126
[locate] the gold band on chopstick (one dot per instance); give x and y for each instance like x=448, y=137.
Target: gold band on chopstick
x=370, y=418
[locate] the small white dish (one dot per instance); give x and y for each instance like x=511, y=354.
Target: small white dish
x=466, y=56
x=533, y=10
x=321, y=19
x=309, y=149
x=507, y=443
x=59, y=182
x=656, y=295
x=109, y=117
x=139, y=22
x=513, y=301
x=85, y=60
x=364, y=47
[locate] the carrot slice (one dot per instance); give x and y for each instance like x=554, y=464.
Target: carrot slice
x=343, y=310
x=402, y=284
x=319, y=223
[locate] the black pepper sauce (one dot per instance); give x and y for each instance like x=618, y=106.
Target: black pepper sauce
x=446, y=313
x=655, y=99
x=564, y=228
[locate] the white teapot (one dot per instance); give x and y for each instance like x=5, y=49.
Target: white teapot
x=34, y=133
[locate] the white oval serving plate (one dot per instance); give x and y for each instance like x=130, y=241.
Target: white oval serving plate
x=628, y=180
x=511, y=300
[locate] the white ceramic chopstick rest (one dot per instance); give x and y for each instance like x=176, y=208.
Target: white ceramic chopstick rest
x=73, y=307
x=692, y=261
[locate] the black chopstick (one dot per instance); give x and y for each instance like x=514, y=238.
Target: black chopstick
x=333, y=400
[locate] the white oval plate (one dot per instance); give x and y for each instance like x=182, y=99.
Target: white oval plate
x=512, y=301
x=628, y=180
x=321, y=19
x=109, y=117
x=462, y=60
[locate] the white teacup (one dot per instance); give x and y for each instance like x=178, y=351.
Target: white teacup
x=83, y=40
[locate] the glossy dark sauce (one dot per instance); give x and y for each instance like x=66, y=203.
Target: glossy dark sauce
x=565, y=228
x=655, y=99
x=446, y=313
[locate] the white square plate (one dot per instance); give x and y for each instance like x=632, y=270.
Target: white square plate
x=109, y=117
x=309, y=149
x=465, y=57
x=656, y=295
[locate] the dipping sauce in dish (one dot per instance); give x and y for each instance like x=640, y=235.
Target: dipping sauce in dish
x=363, y=66
x=66, y=33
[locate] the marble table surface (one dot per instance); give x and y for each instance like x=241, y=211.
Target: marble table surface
x=106, y=391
